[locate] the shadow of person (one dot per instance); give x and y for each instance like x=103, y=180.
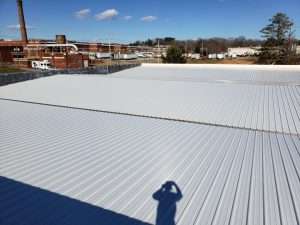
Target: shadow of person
x=35, y=205
x=167, y=196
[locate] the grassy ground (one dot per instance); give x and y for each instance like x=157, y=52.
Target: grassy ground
x=246, y=60
x=5, y=69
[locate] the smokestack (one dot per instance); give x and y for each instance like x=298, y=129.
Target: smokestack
x=22, y=21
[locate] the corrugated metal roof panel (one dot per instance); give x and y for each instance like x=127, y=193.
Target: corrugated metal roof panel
x=251, y=74
x=116, y=162
x=260, y=107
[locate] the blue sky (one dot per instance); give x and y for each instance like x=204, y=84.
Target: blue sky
x=129, y=20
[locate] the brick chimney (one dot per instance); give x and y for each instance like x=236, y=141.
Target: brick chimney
x=22, y=21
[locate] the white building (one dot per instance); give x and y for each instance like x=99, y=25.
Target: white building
x=243, y=51
x=298, y=50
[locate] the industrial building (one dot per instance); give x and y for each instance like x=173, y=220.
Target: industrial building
x=60, y=53
x=98, y=148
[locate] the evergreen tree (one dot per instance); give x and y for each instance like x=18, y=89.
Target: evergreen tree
x=278, y=46
x=174, y=55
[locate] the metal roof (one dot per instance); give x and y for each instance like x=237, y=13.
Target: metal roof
x=249, y=74
x=227, y=175
x=273, y=108
x=62, y=165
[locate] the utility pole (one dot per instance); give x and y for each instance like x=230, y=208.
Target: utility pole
x=186, y=48
x=159, y=52
x=109, y=49
x=202, y=44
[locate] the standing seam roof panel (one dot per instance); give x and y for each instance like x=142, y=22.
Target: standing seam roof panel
x=227, y=175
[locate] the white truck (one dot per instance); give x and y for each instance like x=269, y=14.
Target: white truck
x=43, y=65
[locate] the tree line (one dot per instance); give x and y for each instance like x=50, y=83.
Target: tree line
x=278, y=46
x=201, y=45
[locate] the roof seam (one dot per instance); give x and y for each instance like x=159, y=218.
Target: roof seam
x=151, y=117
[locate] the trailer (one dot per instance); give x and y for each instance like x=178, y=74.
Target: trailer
x=125, y=56
x=195, y=56
x=212, y=56
x=103, y=55
x=221, y=56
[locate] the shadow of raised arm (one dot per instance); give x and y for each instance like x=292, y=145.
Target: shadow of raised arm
x=167, y=199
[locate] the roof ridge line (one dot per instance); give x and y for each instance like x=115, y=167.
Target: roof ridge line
x=150, y=117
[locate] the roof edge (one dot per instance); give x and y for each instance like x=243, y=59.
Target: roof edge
x=226, y=66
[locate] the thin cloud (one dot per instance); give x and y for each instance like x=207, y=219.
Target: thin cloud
x=108, y=14
x=17, y=27
x=148, y=18
x=127, y=17
x=83, y=13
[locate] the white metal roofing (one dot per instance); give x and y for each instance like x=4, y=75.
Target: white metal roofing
x=227, y=175
x=260, y=107
x=231, y=168
x=251, y=74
